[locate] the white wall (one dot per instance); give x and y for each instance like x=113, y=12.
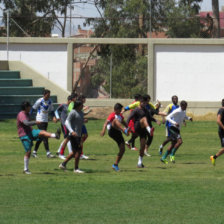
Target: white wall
x=48, y=59
x=193, y=72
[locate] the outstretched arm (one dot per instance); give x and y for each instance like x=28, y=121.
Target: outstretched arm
x=104, y=128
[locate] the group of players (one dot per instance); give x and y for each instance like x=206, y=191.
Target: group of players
x=139, y=124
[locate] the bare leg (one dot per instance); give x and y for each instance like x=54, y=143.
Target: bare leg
x=120, y=154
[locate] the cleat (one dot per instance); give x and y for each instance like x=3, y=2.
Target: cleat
x=26, y=172
x=57, y=153
x=126, y=131
x=115, y=167
x=78, y=171
x=164, y=161
x=212, y=160
x=134, y=149
x=34, y=155
x=140, y=166
x=62, y=167
x=146, y=153
x=49, y=155
x=58, y=133
x=128, y=144
x=62, y=157
x=172, y=159
x=160, y=150
x=84, y=157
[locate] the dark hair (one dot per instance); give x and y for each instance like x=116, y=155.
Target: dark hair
x=46, y=91
x=174, y=97
x=144, y=98
x=147, y=97
x=77, y=104
x=222, y=102
x=69, y=97
x=118, y=106
x=81, y=97
x=183, y=103
x=74, y=95
x=25, y=104
x=137, y=96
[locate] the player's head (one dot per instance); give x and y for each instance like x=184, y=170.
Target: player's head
x=222, y=102
x=46, y=94
x=78, y=105
x=117, y=108
x=148, y=97
x=26, y=106
x=144, y=101
x=183, y=105
x=82, y=98
x=69, y=99
x=74, y=97
x=174, y=99
x=137, y=96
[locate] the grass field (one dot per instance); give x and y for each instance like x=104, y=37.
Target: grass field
x=190, y=191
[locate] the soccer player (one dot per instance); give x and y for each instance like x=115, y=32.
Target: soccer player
x=220, y=122
x=114, y=124
x=143, y=124
x=169, y=109
x=131, y=143
x=74, y=123
x=43, y=105
x=176, y=119
x=27, y=135
x=61, y=114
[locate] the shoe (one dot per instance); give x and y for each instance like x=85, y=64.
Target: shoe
x=115, y=167
x=128, y=144
x=27, y=171
x=134, y=149
x=62, y=167
x=84, y=157
x=34, y=155
x=62, y=157
x=160, y=151
x=146, y=153
x=164, y=161
x=57, y=153
x=172, y=159
x=49, y=155
x=126, y=131
x=212, y=160
x=140, y=166
x=58, y=133
x=78, y=171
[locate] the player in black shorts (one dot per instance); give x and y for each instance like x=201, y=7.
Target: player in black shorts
x=220, y=122
x=143, y=124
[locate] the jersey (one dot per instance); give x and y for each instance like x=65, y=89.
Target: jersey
x=62, y=112
x=23, y=129
x=137, y=103
x=70, y=107
x=169, y=109
x=43, y=107
x=113, y=116
x=221, y=113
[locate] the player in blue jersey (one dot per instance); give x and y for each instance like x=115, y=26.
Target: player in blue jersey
x=43, y=106
x=169, y=109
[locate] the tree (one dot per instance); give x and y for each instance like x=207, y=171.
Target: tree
x=216, y=25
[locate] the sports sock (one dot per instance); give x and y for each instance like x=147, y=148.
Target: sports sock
x=62, y=151
x=48, y=152
x=140, y=160
x=26, y=163
x=173, y=152
x=148, y=129
x=34, y=152
x=161, y=147
x=165, y=154
x=69, y=147
x=53, y=135
x=59, y=149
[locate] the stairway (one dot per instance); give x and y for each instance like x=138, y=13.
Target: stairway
x=14, y=90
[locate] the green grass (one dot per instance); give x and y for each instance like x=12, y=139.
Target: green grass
x=190, y=191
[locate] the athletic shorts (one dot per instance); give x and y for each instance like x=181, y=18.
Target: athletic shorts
x=221, y=136
x=84, y=130
x=27, y=140
x=42, y=126
x=76, y=144
x=116, y=135
x=64, y=130
x=131, y=125
x=142, y=132
x=174, y=133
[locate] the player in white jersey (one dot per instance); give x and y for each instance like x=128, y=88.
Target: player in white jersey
x=175, y=119
x=43, y=106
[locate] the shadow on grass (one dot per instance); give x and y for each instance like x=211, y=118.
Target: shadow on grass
x=6, y=175
x=190, y=163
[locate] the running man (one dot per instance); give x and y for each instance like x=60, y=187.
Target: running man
x=175, y=119
x=74, y=123
x=220, y=122
x=169, y=109
x=114, y=124
x=27, y=135
x=43, y=106
x=143, y=124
